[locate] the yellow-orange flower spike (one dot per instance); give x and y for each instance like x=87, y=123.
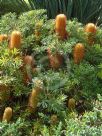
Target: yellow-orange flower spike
x=15, y=41
x=71, y=104
x=60, y=26
x=90, y=28
x=79, y=52
x=3, y=37
x=7, y=114
x=60, y=21
x=33, y=100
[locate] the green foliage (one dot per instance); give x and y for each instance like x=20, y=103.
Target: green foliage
x=87, y=11
x=10, y=63
x=100, y=71
x=8, y=23
x=88, y=124
x=18, y=128
x=17, y=6
x=28, y=20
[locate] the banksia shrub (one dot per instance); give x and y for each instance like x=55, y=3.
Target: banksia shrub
x=56, y=60
x=3, y=37
x=71, y=104
x=7, y=114
x=15, y=40
x=60, y=26
x=79, y=52
x=91, y=29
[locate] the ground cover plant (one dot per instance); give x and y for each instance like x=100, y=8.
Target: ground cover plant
x=50, y=76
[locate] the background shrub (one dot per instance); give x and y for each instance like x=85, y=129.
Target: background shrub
x=84, y=10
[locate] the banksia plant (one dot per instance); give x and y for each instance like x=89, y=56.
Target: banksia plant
x=7, y=114
x=56, y=60
x=15, y=40
x=79, y=52
x=60, y=26
x=71, y=104
x=3, y=37
x=54, y=119
x=91, y=29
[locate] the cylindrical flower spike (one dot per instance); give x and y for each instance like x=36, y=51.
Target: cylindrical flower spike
x=33, y=100
x=79, y=52
x=60, y=21
x=15, y=41
x=7, y=114
x=91, y=29
x=60, y=26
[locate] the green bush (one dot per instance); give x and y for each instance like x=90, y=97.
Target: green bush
x=81, y=82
